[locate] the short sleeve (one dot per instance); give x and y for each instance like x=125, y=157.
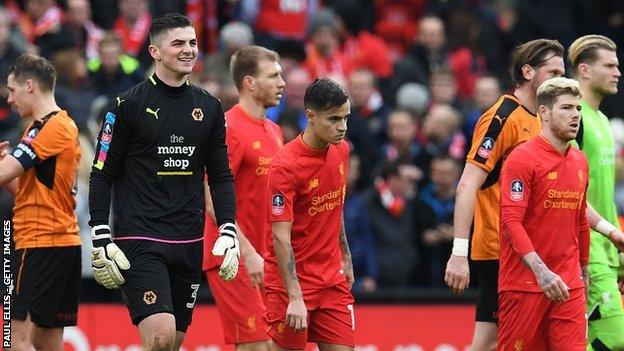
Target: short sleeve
x=44, y=141
x=282, y=189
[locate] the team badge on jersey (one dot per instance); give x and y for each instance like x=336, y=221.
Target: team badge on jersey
x=277, y=203
x=486, y=147
x=197, y=114
x=517, y=190
x=30, y=136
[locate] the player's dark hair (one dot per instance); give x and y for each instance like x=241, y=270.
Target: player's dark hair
x=245, y=62
x=324, y=94
x=31, y=66
x=166, y=22
x=534, y=53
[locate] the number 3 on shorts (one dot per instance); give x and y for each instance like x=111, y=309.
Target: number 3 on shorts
x=350, y=308
x=194, y=288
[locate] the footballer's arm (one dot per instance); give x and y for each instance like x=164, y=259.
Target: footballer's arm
x=347, y=262
x=457, y=275
x=253, y=261
x=602, y=226
x=10, y=170
x=296, y=313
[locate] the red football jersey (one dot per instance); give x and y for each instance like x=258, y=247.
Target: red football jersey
x=543, y=209
x=307, y=187
x=252, y=144
x=283, y=18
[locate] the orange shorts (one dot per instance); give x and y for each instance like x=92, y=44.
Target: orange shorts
x=331, y=318
x=240, y=306
x=529, y=321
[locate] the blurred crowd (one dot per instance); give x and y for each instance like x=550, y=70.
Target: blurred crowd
x=419, y=74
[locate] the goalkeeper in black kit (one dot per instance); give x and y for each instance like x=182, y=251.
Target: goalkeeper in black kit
x=157, y=141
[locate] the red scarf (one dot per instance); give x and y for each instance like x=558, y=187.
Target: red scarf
x=133, y=38
x=394, y=205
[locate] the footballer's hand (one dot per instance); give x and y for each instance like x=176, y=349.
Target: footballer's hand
x=4, y=149
x=297, y=314
x=255, y=267
x=457, y=275
x=347, y=266
x=227, y=246
x=552, y=285
x=617, y=238
x=107, y=259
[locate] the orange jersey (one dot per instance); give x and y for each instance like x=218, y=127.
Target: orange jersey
x=499, y=130
x=44, y=204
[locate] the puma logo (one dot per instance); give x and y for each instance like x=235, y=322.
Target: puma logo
x=119, y=101
x=150, y=111
x=500, y=120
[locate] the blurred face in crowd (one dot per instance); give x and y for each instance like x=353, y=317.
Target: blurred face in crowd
x=440, y=123
x=36, y=8
x=21, y=95
x=176, y=50
x=297, y=81
x=401, y=129
x=268, y=84
x=329, y=126
x=443, y=88
x=325, y=41
x=564, y=118
x=354, y=170
x=110, y=54
x=603, y=74
x=552, y=67
x=132, y=9
x=444, y=173
x=402, y=184
x=78, y=12
x=431, y=33
x=486, y=92
x=5, y=27
x=361, y=86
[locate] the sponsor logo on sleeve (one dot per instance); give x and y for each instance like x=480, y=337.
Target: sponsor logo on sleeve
x=517, y=190
x=30, y=136
x=105, y=139
x=278, y=201
x=486, y=147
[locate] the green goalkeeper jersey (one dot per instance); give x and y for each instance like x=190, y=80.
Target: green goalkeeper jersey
x=596, y=140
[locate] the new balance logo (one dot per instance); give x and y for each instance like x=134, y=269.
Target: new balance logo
x=150, y=111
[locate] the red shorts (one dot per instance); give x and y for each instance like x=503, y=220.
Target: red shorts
x=240, y=306
x=331, y=318
x=529, y=321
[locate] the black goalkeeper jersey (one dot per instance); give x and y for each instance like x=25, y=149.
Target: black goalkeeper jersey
x=155, y=145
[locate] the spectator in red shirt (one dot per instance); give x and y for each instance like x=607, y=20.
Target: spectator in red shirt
x=324, y=55
x=544, y=242
x=132, y=26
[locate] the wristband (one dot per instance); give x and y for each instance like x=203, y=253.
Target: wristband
x=604, y=227
x=460, y=247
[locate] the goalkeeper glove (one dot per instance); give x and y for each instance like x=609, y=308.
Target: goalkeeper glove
x=227, y=245
x=107, y=258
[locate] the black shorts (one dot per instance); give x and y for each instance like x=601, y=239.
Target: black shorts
x=162, y=278
x=487, y=296
x=47, y=285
